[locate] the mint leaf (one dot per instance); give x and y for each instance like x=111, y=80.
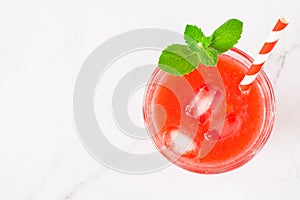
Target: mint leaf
x=192, y=34
x=227, y=35
x=178, y=60
x=208, y=56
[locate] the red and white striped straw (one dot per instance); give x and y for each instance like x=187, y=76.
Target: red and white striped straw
x=263, y=54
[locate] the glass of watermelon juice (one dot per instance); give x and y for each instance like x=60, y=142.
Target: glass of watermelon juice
x=203, y=122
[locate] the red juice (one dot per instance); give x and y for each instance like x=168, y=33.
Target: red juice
x=181, y=113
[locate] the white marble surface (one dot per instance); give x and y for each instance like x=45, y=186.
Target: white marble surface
x=42, y=47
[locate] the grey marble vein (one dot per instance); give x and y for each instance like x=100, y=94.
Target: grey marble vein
x=83, y=183
x=45, y=179
x=281, y=59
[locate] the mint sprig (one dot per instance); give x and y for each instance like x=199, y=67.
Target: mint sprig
x=179, y=59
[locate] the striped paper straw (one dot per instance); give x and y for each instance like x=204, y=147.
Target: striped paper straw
x=263, y=54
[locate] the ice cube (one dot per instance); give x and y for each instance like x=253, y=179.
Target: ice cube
x=201, y=103
x=179, y=143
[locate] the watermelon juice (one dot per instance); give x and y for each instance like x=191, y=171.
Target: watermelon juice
x=203, y=122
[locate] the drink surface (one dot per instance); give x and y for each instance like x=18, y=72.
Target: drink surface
x=179, y=120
